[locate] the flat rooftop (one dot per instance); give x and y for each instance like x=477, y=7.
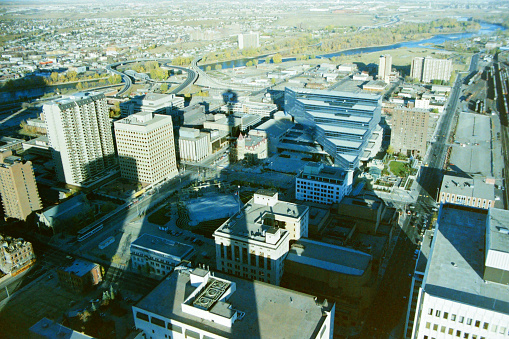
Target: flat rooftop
x=47, y=328
x=456, y=264
x=468, y=186
x=499, y=230
x=79, y=267
x=270, y=311
x=162, y=246
x=329, y=257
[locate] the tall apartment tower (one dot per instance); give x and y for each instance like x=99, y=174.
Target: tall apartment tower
x=79, y=131
x=410, y=130
x=384, y=67
x=18, y=188
x=249, y=40
x=146, y=148
x=428, y=69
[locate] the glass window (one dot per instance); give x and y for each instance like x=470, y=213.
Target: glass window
x=446, y=315
x=142, y=316
x=157, y=321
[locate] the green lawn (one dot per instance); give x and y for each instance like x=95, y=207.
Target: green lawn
x=398, y=168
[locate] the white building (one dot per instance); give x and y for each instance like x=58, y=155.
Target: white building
x=472, y=191
x=194, y=145
x=323, y=184
x=464, y=292
x=158, y=255
x=152, y=102
x=146, y=148
x=384, y=67
x=254, y=243
x=79, y=131
x=195, y=303
x=428, y=69
x=249, y=107
x=249, y=40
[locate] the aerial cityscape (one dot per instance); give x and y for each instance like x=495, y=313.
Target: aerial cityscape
x=254, y=169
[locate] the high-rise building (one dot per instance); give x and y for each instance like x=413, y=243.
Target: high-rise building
x=197, y=303
x=79, y=131
x=428, y=69
x=146, y=147
x=384, y=67
x=18, y=188
x=464, y=291
x=254, y=242
x=342, y=122
x=249, y=40
x=409, y=130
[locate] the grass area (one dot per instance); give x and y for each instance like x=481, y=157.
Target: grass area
x=159, y=217
x=398, y=168
x=314, y=20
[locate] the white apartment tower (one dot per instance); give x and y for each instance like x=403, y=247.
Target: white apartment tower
x=428, y=69
x=249, y=40
x=384, y=67
x=79, y=132
x=146, y=148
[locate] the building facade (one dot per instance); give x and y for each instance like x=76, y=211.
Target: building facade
x=20, y=196
x=194, y=145
x=15, y=255
x=342, y=122
x=254, y=243
x=153, y=103
x=464, y=292
x=151, y=254
x=80, y=276
x=427, y=69
x=249, y=40
x=469, y=191
x=384, y=67
x=146, y=147
x=323, y=184
x=79, y=131
x=251, y=147
x=409, y=131
x=196, y=303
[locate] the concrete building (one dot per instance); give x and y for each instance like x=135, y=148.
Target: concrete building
x=339, y=274
x=384, y=67
x=342, y=122
x=274, y=130
x=409, y=131
x=79, y=131
x=249, y=40
x=427, y=69
x=464, y=292
x=196, y=303
x=323, y=184
x=58, y=217
x=251, y=147
x=465, y=190
x=15, y=255
x=157, y=255
x=249, y=107
x=254, y=242
x=18, y=188
x=153, y=103
x=194, y=145
x=49, y=329
x=232, y=124
x=80, y=276
x=146, y=147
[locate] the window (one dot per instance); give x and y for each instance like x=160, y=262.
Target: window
x=428, y=325
x=461, y=320
x=141, y=316
x=442, y=329
x=451, y=331
x=453, y=317
x=469, y=321
x=430, y=312
x=485, y=326
x=458, y=333
x=435, y=327
x=477, y=323
x=323, y=331
x=465, y=335
x=502, y=330
x=192, y=334
x=157, y=321
x=446, y=315
x=437, y=313
x=494, y=328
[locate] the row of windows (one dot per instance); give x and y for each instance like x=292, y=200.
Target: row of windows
x=468, y=321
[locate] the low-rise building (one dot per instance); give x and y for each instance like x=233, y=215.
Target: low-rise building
x=323, y=184
x=15, y=255
x=194, y=145
x=157, y=255
x=251, y=147
x=465, y=190
x=250, y=107
x=153, y=103
x=254, y=242
x=196, y=303
x=55, y=217
x=48, y=329
x=80, y=276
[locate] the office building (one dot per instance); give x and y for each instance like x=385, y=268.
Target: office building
x=146, y=148
x=323, y=184
x=196, y=303
x=153, y=103
x=409, y=131
x=250, y=107
x=15, y=255
x=339, y=274
x=194, y=145
x=80, y=276
x=254, y=242
x=18, y=188
x=384, y=67
x=343, y=123
x=464, y=292
x=151, y=254
x=471, y=191
x=249, y=40
x=427, y=69
x=79, y=131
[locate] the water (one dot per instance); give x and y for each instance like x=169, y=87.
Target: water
x=486, y=28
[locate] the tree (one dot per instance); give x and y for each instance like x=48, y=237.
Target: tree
x=54, y=77
x=164, y=87
x=208, y=68
x=390, y=150
x=218, y=67
x=277, y=58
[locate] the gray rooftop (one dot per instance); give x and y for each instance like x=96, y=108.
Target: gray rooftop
x=456, y=264
x=499, y=230
x=47, y=328
x=270, y=311
x=329, y=257
x=468, y=186
x=162, y=246
x=79, y=267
